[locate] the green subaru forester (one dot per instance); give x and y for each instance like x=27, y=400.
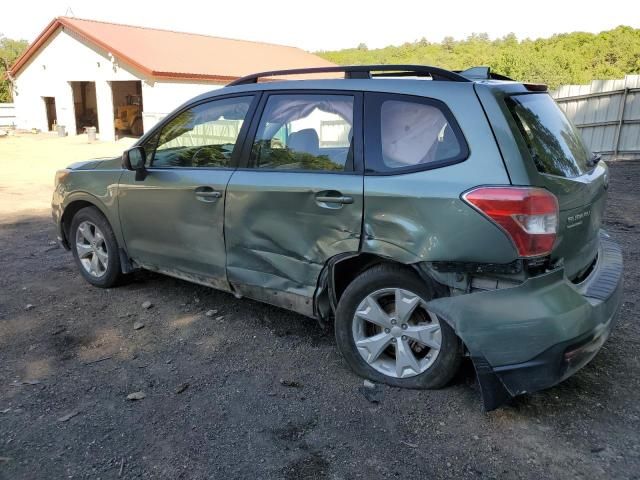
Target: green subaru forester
x=428, y=214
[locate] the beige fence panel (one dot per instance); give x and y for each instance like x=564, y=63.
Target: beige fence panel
x=607, y=112
x=7, y=115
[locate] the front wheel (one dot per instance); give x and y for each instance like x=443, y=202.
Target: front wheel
x=95, y=248
x=387, y=334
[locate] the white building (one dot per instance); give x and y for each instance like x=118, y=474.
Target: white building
x=80, y=73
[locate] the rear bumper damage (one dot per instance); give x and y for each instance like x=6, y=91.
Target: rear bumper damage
x=530, y=337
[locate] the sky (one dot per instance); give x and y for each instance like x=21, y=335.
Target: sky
x=333, y=24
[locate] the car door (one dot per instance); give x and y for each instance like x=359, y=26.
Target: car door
x=297, y=200
x=172, y=221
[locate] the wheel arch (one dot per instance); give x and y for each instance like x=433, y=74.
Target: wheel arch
x=82, y=200
x=341, y=270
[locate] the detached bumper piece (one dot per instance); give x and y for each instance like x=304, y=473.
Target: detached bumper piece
x=534, y=336
x=564, y=359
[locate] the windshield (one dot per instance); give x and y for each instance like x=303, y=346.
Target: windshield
x=554, y=143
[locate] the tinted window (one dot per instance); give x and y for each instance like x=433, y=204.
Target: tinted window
x=202, y=136
x=305, y=132
x=414, y=133
x=409, y=133
x=554, y=143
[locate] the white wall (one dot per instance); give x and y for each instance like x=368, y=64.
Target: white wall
x=162, y=97
x=67, y=57
x=63, y=59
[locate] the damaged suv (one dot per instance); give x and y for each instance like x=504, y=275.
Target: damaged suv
x=429, y=214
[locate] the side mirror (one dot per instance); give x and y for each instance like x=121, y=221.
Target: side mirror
x=134, y=160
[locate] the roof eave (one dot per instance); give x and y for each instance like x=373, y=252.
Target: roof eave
x=35, y=46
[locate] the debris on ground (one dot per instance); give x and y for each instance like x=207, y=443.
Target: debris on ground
x=290, y=383
x=58, y=330
x=182, y=387
x=136, y=396
x=411, y=445
x=220, y=318
x=373, y=392
x=29, y=306
x=211, y=313
x=138, y=325
x=147, y=305
x=68, y=416
x=26, y=382
x=98, y=360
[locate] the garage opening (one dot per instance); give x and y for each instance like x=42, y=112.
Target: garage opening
x=85, y=105
x=127, y=107
x=50, y=107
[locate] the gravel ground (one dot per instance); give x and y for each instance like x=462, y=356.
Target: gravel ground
x=252, y=391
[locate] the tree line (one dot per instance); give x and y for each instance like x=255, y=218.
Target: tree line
x=570, y=58
x=10, y=50
x=566, y=58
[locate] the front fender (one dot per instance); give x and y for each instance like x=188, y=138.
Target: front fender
x=97, y=187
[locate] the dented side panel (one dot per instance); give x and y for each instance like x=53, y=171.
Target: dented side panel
x=98, y=187
x=419, y=216
x=279, y=236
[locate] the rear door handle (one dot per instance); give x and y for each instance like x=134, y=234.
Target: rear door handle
x=344, y=200
x=207, y=194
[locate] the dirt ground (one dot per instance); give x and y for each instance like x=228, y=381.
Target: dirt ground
x=254, y=391
x=29, y=163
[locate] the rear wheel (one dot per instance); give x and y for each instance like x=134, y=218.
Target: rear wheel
x=387, y=334
x=95, y=248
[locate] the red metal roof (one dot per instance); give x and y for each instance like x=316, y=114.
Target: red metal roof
x=177, y=55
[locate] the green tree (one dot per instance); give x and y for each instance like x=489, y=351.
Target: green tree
x=576, y=57
x=10, y=50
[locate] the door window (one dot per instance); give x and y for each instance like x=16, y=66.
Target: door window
x=407, y=133
x=202, y=136
x=305, y=132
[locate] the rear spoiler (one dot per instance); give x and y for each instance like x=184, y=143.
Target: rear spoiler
x=485, y=73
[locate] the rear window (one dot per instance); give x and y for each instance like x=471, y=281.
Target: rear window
x=554, y=143
x=406, y=133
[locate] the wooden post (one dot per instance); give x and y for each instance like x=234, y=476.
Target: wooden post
x=616, y=142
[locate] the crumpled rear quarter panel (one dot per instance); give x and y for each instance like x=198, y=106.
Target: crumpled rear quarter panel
x=419, y=216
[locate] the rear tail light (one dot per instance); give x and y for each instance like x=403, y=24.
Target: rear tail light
x=528, y=215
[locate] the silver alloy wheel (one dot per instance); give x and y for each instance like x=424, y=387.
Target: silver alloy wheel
x=395, y=333
x=92, y=249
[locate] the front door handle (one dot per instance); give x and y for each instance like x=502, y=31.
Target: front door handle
x=344, y=199
x=207, y=194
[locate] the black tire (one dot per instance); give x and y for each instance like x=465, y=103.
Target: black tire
x=385, y=276
x=113, y=272
x=136, y=127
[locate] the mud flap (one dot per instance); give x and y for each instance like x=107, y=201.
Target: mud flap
x=492, y=392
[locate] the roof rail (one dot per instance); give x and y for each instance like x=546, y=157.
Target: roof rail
x=362, y=71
